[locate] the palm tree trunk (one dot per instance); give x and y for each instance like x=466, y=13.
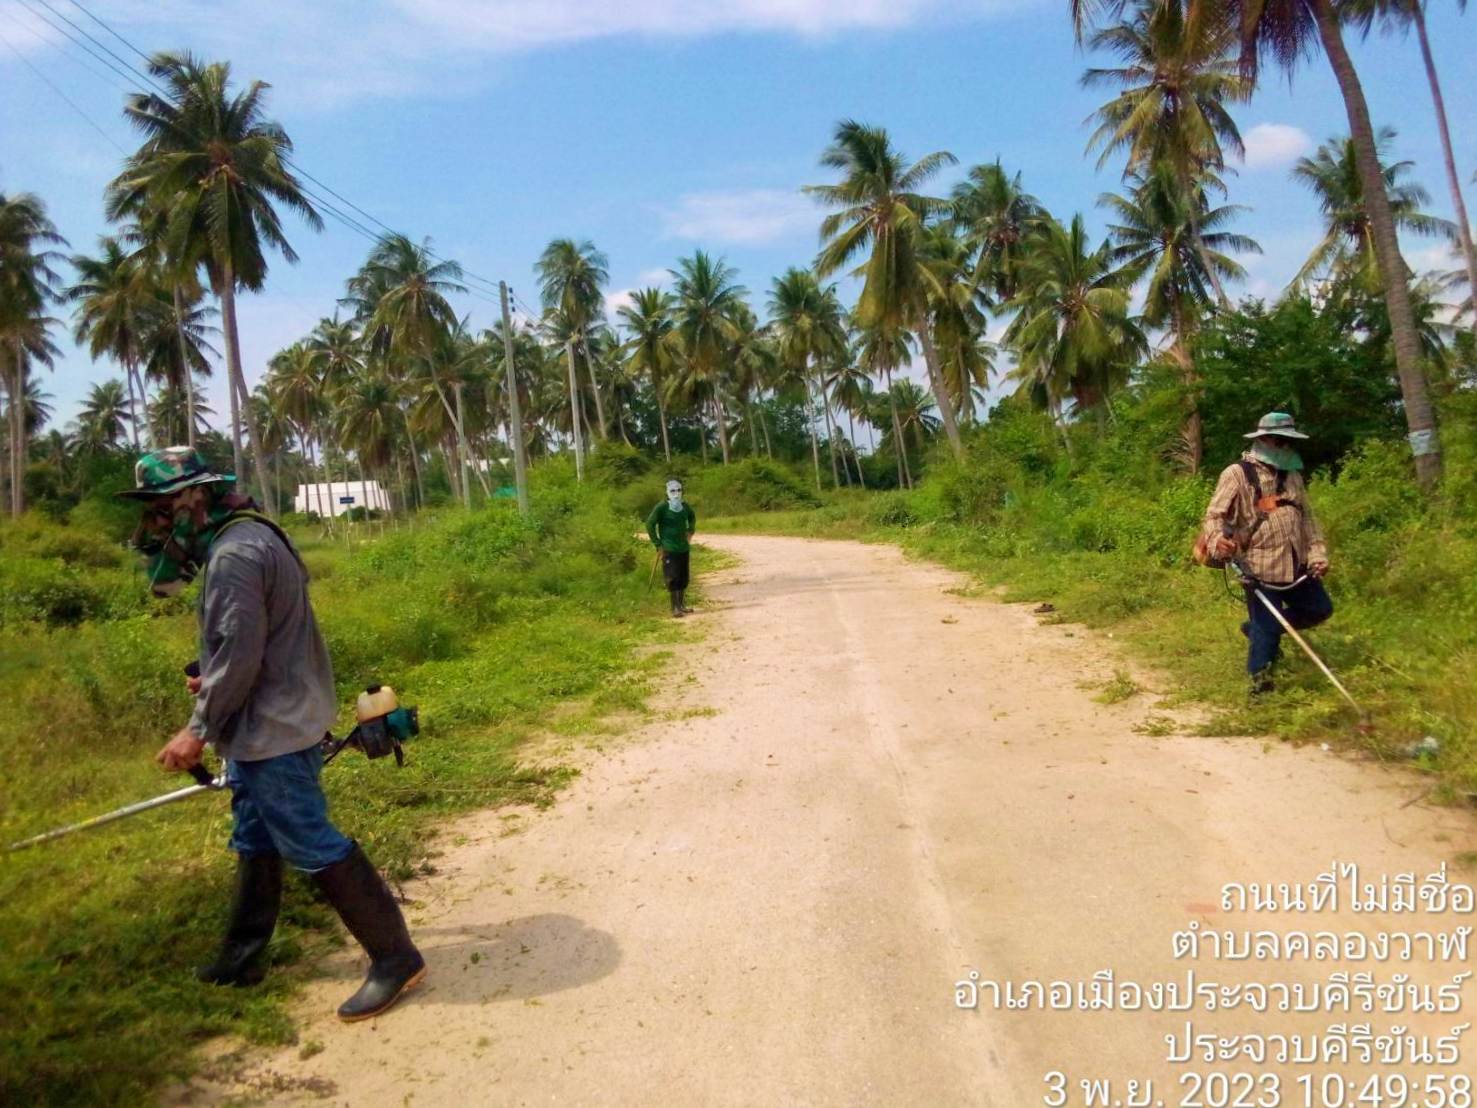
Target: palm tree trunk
x=143, y=396
x=753, y=431
x=133, y=406
x=855, y=457
x=661, y=412
x=764, y=426
x=900, y=448
x=574, y=414
x=830, y=431
x=702, y=434
x=815, y=450
x=1192, y=430
x=1419, y=415
x=940, y=393
x=722, y=421
x=595, y=388
x=415, y=465
x=1464, y=227
x=18, y=429
x=461, y=447
x=227, y=296
x=185, y=367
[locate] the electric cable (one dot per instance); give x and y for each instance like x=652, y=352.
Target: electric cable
x=67, y=99
x=130, y=74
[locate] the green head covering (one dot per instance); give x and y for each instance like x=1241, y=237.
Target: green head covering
x=160, y=472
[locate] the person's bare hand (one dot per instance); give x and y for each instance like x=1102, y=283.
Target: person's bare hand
x=181, y=752
x=1225, y=547
x=193, y=685
x=1318, y=568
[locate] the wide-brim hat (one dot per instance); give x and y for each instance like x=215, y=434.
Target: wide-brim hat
x=1276, y=423
x=161, y=472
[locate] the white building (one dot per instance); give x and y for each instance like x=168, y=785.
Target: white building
x=334, y=498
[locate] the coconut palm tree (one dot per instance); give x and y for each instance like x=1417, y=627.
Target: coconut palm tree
x=880, y=209
x=879, y=351
x=653, y=347
x=706, y=299
x=400, y=299
x=27, y=284
x=915, y=408
x=100, y=422
x=1177, y=76
x=1405, y=14
x=219, y=168
x=957, y=302
x=173, y=408
x=809, y=328
x=367, y=416
x=1286, y=31
x=572, y=277
x=117, y=310
x=177, y=281
x=1171, y=237
x=996, y=215
x=851, y=387
x=176, y=349
x=1072, y=332
x=1346, y=252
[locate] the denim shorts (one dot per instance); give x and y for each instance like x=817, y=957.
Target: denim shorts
x=278, y=806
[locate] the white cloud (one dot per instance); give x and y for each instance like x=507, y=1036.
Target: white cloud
x=745, y=217
x=328, y=53
x=615, y=301
x=516, y=24
x=1273, y=145
x=1441, y=257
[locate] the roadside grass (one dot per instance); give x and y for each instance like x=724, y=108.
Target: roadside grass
x=1403, y=638
x=499, y=630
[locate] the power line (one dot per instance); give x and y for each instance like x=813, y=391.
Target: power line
x=128, y=72
x=110, y=81
x=107, y=64
x=87, y=12
x=127, y=65
x=490, y=284
x=70, y=103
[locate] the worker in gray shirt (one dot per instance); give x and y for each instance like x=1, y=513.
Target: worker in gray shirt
x=264, y=697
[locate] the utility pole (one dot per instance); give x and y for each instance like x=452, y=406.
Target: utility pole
x=515, y=408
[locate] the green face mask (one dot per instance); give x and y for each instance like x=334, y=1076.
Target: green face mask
x=175, y=540
x=1278, y=457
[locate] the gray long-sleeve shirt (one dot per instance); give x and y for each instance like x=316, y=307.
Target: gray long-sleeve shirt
x=266, y=681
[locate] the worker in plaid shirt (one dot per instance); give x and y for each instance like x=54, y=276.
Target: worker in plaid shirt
x=1263, y=500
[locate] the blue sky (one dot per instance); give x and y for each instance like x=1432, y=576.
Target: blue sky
x=652, y=127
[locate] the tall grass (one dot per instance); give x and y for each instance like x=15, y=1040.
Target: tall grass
x=1105, y=536
x=485, y=620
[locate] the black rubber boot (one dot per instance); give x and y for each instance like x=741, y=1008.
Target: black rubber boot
x=682, y=602
x=242, y=958
x=677, y=609
x=364, y=902
x=1262, y=683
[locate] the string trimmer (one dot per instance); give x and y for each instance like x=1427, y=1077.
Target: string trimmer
x=1259, y=589
x=382, y=727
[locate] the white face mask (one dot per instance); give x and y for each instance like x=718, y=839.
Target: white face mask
x=674, y=495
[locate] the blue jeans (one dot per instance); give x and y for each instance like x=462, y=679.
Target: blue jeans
x=278, y=807
x=1308, y=605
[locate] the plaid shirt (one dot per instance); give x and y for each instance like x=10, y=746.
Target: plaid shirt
x=1287, y=540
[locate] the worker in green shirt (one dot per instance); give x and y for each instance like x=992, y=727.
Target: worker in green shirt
x=670, y=525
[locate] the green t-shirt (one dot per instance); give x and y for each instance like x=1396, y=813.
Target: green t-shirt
x=669, y=529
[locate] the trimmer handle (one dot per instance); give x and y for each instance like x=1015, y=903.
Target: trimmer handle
x=202, y=775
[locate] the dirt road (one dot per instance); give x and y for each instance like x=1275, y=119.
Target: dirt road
x=770, y=902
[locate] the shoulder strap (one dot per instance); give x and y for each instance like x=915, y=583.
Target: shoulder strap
x=1248, y=470
x=247, y=514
